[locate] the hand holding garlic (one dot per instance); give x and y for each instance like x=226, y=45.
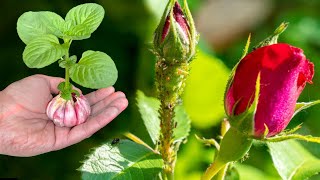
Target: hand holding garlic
x=26, y=130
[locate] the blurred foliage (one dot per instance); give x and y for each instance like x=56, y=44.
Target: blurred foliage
x=204, y=91
x=190, y=163
x=125, y=35
x=246, y=172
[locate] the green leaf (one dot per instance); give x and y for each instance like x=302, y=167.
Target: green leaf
x=83, y=20
x=203, y=96
x=148, y=108
x=125, y=160
x=43, y=51
x=181, y=131
x=31, y=25
x=292, y=161
x=94, y=70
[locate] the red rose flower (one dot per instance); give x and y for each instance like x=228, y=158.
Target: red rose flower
x=284, y=71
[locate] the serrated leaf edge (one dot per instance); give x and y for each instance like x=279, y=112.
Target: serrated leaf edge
x=92, y=150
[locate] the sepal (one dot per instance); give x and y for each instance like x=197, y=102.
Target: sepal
x=233, y=147
x=304, y=105
x=273, y=39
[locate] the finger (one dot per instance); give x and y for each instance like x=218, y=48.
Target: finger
x=53, y=83
x=96, y=108
x=99, y=95
x=97, y=122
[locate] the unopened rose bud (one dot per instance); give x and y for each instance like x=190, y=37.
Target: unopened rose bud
x=175, y=37
x=68, y=113
x=282, y=71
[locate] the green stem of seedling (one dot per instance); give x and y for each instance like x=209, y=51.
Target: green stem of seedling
x=67, y=43
x=67, y=82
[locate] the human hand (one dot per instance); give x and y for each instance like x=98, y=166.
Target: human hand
x=25, y=129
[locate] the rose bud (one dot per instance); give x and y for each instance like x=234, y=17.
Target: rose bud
x=283, y=72
x=68, y=113
x=175, y=37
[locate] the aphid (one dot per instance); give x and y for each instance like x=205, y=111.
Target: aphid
x=175, y=124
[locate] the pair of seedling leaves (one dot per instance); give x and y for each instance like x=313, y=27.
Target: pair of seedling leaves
x=40, y=31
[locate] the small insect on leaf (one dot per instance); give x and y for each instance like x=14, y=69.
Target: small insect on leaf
x=115, y=141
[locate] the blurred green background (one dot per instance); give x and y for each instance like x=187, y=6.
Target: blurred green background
x=126, y=33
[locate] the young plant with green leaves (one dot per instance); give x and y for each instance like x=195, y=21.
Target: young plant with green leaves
x=41, y=31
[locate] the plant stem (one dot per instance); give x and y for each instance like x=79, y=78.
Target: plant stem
x=213, y=169
x=67, y=42
x=166, y=150
x=167, y=176
x=170, y=176
x=222, y=173
x=170, y=78
x=67, y=82
x=166, y=138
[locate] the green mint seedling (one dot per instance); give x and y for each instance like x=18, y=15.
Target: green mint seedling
x=41, y=31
